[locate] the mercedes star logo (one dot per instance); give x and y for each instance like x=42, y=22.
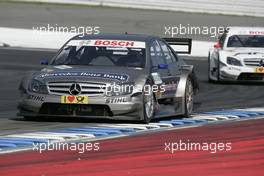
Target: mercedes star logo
x=75, y=89
x=261, y=63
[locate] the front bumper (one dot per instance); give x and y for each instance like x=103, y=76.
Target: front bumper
x=243, y=74
x=119, y=107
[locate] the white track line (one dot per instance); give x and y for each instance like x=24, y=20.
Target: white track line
x=36, y=136
x=66, y=135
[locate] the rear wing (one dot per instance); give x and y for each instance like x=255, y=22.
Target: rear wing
x=180, y=45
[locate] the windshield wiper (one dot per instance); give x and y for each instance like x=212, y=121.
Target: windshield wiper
x=242, y=43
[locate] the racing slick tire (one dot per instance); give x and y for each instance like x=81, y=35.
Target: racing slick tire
x=209, y=68
x=148, y=105
x=188, y=98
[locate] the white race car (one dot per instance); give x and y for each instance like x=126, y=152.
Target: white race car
x=238, y=55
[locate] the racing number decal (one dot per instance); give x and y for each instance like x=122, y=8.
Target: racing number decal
x=74, y=99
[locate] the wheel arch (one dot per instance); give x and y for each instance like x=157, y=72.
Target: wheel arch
x=188, y=73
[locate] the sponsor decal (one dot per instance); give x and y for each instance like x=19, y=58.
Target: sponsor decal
x=171, y=83
x=63, y=67
x=74, y=99
x=256, y=32
x=170, y=86
x=259, y=70
x=111, y=76
x=35, y=97
x=114, y=43
x=116, y=100
x=234, y=68
x=47, y=70
x=109, y=43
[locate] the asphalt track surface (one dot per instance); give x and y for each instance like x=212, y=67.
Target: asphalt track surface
x=114, y=20
x=15, y=62
x=134, y=156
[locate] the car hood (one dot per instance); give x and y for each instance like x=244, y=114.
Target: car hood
x=248, y=52
x=90, y=73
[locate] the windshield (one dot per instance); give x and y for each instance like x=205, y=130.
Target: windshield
x=102, y=53
x=246, y=41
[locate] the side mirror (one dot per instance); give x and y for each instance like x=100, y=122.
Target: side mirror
x=44, y=62
x=217, y=45
x=163, y=66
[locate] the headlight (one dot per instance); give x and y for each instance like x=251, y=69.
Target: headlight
x=119, y=89
x=37, y=87
x=233, y=61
